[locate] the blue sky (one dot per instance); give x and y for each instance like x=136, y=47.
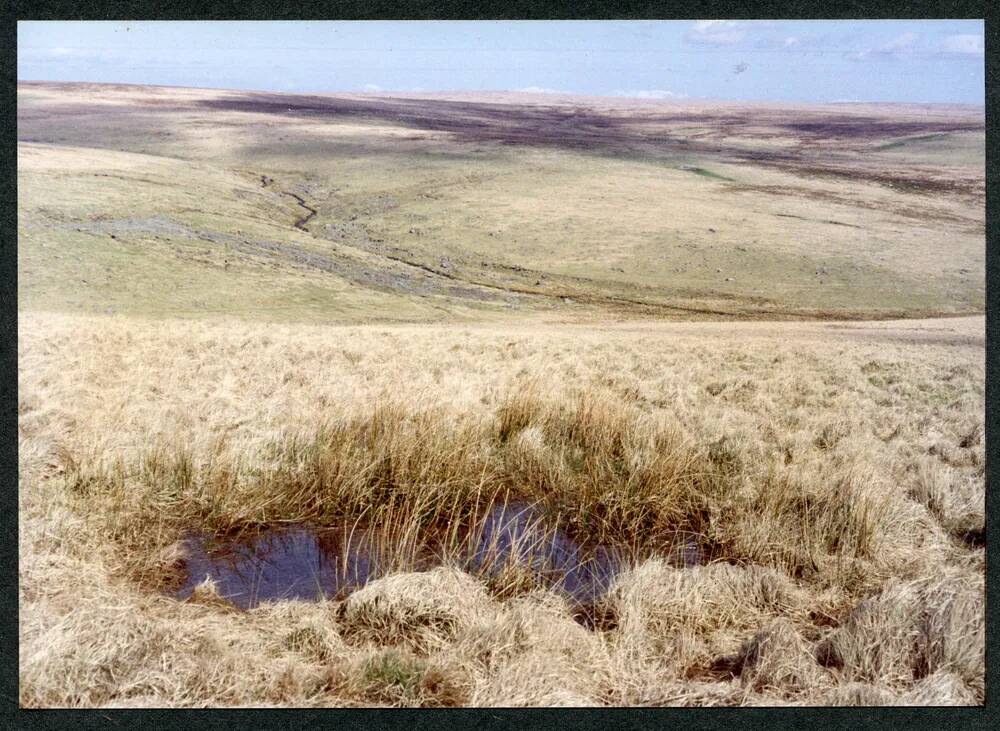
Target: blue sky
x=815, y=61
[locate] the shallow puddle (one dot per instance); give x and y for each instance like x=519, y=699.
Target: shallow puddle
x=299, y=562
x=311, y=563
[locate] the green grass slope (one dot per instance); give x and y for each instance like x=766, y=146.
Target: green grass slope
x=159, y=201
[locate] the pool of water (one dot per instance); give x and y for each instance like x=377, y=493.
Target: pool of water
x=310, y=563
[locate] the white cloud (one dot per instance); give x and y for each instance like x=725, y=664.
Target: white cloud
x=898, y=47
x=717, y=32
x=371, y=88
x=792, y=42
x=66, y=54
x=963, y=44
x=69, y=52
x=898, y=44
x=538, y=90
x=905, y=46
x=648, y=94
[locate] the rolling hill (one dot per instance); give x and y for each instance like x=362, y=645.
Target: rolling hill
x=350, y=208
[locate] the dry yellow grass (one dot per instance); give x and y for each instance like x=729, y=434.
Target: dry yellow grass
x=834, y=475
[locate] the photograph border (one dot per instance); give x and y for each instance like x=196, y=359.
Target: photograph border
x=418, y=719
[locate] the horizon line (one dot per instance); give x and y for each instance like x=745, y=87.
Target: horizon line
x=527, y=91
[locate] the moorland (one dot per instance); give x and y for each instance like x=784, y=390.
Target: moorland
x=730, y=354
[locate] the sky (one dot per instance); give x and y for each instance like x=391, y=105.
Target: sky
x=808, y=61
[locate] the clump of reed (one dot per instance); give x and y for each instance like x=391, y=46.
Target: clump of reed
x=592, y=466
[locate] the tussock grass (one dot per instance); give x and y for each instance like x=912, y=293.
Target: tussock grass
x=778, y=658
x=537, y=655
x=658, y=598
x=831, y=573
x=858, y=694
x=422, y=609
x=914, y=629
x=599, y=465
x=957, y=501
x=940, y=688
x=596, y=466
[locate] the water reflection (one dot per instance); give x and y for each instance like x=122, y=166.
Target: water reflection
x=310, y=563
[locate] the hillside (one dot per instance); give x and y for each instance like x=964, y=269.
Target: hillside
x=183, y=202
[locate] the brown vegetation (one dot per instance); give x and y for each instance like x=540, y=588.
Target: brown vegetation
x=832, y=485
